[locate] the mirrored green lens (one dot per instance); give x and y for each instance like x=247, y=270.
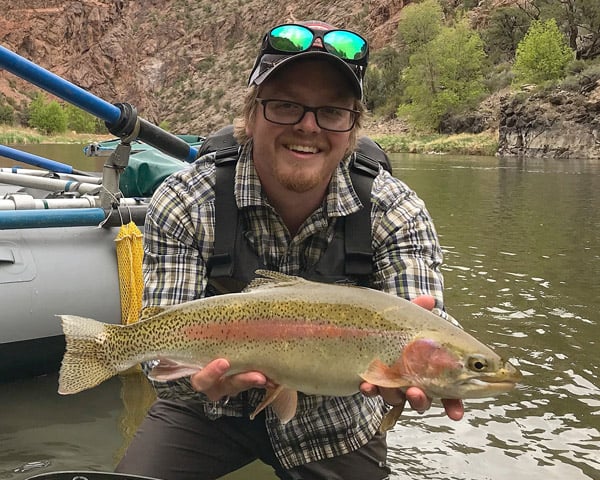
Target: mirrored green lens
x=346, y=45
x=291, y=38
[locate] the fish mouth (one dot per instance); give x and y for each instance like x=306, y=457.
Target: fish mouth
x=488, y=386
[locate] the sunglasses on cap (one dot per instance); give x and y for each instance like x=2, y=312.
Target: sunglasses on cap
x=293, y=38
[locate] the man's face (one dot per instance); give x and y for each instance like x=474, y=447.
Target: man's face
x=300, y=157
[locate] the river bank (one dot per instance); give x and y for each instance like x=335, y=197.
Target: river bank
x=28, y=136
x=485, y=143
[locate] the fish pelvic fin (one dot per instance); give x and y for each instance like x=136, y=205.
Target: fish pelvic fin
x=390, y=418
x=283, y=401
x=380, y=374
x=86, y=362
x=168, y=369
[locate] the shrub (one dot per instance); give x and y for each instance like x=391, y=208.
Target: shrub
x=47, y=116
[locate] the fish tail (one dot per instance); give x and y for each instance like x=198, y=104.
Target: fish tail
x=86, y=362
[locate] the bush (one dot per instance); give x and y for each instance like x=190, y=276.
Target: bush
x=47, y=116
x=79, y=120
x=6, y=114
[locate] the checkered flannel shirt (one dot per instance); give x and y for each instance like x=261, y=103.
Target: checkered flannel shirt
x=178, y=240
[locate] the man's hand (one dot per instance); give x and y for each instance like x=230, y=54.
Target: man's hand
x=415, y=396
x=213, y=382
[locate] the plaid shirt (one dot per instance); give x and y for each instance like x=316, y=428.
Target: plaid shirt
x=179, y=238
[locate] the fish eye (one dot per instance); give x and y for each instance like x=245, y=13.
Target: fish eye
x=478, y=363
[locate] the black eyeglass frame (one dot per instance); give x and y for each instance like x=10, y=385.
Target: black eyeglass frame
x=315, y=110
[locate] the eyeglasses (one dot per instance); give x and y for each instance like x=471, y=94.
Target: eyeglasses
x=284, y=112
x=291, y=38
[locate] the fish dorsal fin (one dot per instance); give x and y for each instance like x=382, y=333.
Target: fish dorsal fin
x=271, y=279
x=148, y=312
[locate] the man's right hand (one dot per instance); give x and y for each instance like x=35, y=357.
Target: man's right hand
x=215, y=384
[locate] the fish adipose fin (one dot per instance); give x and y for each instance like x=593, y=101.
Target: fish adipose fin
x=84, y=364
x=378, y=373
x=283, y=401
x=168, y=369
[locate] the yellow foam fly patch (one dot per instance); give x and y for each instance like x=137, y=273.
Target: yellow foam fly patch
x=129, y=262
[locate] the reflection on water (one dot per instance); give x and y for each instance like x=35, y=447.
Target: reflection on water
x=69, y=154
x=522, y=271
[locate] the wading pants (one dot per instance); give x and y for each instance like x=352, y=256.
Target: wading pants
x=176, y=441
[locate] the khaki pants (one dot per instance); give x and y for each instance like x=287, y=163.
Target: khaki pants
x=177, y=442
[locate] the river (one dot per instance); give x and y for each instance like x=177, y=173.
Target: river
x=521, y=240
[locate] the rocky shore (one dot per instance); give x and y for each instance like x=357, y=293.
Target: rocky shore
x=557, y=123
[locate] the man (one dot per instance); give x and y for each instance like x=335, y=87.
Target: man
x=292, y=187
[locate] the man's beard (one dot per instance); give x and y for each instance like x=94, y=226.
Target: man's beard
x=299, y=183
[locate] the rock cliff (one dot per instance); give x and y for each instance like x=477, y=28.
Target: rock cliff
x=558, y=123
x=181, y=61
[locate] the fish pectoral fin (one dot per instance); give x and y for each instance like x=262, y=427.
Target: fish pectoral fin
x=283, y=401
x=380, y=374
x=168, y=369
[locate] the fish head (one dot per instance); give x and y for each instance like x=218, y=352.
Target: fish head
x=456, y=368
x=446, y=368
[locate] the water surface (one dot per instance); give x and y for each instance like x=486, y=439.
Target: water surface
x=521, y=240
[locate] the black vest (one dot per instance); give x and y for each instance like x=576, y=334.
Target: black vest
x=347, y=259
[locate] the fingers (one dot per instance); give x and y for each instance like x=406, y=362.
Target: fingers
x=425, y=301
x=368, y=389
x=416, y=398
x=454, y=408
x=213, y=382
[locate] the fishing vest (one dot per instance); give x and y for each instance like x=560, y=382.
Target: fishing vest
x=347, y=259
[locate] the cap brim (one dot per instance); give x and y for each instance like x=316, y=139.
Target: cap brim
x=271, y=63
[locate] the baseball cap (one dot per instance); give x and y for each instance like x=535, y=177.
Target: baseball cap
x=346, y=50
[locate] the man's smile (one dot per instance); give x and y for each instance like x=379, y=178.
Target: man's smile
x=302, y=148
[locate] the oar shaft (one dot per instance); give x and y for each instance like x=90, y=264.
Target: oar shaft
x=120, y=121
x=49, y=184
x=56, y=85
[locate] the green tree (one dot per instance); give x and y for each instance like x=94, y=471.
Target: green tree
x=383, y=88
x=506, y=28
x=79, y=120
x=444, y=76
x=419, y=24
x=579, y=20
x=543, y=54
x=47, y=116
x=6, y=114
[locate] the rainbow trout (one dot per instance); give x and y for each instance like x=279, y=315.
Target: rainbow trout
x=304, y=336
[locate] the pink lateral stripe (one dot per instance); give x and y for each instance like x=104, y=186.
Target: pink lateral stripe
x=271, y=330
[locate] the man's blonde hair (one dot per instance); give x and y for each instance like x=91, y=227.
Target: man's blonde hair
x=250, y=108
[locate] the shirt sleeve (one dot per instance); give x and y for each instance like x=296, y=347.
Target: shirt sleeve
x=407, y=253
x=177, y=232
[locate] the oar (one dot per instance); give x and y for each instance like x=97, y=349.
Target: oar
x=121, y=119
x=37, y=161
x=49, y=184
